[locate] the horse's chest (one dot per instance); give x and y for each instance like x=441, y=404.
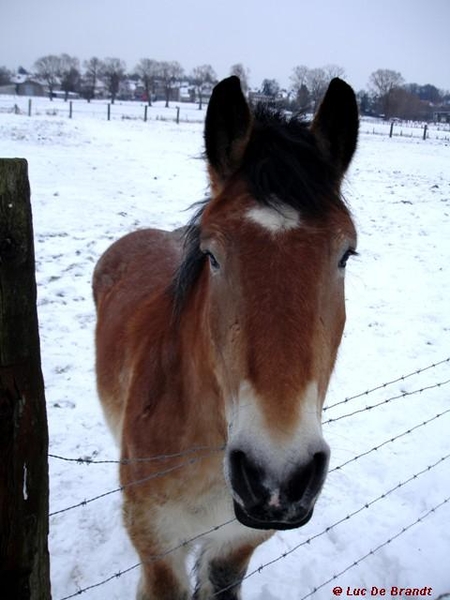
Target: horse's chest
x=189, y=517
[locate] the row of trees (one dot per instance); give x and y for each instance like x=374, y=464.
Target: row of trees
x=387, y=94
x=65, y=72
x=390, y=96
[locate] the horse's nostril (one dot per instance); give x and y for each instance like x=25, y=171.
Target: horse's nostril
x=308, y=478
x=246, y=479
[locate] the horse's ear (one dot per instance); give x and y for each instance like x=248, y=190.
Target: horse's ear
x=336, y=123
x=227, y=130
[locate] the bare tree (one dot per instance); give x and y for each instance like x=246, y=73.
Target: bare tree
x=270, y=88
x=113, y=72
x=309, y=85
x=5, y=76
x=170, y=73
x=298, y=77
x=243, y=73
x=299, y=86
x=147, y=69
x=202, y=76
x=93, y=68
x=332, y=71
x=70, y=74
x=48, y=68
x=317, y=82
x=384, y=82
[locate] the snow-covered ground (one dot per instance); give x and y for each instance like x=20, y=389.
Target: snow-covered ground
x=93, y=181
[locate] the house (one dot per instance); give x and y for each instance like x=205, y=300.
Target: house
x=26, y=85
x=441, y=116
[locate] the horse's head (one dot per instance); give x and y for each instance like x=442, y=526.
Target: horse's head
x=270, y=250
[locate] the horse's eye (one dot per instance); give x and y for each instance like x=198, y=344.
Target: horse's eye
x=215, y=266
x=346, y=256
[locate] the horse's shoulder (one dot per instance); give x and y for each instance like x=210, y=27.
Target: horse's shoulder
x=150, y=255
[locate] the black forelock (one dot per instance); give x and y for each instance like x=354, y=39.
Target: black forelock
x=284, y=164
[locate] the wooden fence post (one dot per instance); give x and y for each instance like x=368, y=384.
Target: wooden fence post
x=109, y=112
x=391, y=129
x=24, y=559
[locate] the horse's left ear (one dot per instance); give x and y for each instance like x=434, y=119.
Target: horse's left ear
x=228, y=126
x=336, y=123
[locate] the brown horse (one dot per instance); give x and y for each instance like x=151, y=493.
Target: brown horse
x=215, y=345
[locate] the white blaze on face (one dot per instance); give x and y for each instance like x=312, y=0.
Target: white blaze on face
x=274, y=220
x=278, y=452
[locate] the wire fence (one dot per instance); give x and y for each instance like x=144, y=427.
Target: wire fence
x=199, y=453
x=186, y=112
x=104, y=110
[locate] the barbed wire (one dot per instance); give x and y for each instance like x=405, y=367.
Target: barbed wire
x=389, y=441
x=192, y=461
x=379, y=547
x=391, y=399
x=210, y=450
x=162, y=457
x=155, y=558
x=121, y=488
x=388, y=383
x=336, y=523
x=131, y=461
x=276, y=559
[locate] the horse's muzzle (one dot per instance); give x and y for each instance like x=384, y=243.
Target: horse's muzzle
x=288, y=505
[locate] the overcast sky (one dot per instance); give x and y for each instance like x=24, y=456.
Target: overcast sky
x=269, y=37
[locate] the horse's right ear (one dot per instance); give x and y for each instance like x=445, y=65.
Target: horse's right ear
x=227, y=131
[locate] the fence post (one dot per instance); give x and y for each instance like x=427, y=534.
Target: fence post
x=392, y=129
x=29, y=107
x=24, y=559
x=109, y=112
x=425, y=131
x=178, y=115
x=145, y=113
x=70, y=109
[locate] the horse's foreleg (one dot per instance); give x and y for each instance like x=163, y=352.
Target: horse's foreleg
x=163, y=570
x=219, y=576
x=159, y=581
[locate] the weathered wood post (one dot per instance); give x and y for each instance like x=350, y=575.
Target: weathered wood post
x=24, y=559
x=145, y=113
x=29, y=107
x=391, y=131
x=425, y=128
x=109, y=112
x=70, y=109
x=178, y=115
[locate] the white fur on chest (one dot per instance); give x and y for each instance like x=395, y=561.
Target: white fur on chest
x=210, y=520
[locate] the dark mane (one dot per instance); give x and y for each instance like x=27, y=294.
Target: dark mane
x=191, y=265
x=282, y=165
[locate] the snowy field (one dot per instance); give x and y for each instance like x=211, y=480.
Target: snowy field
x=92, y=181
